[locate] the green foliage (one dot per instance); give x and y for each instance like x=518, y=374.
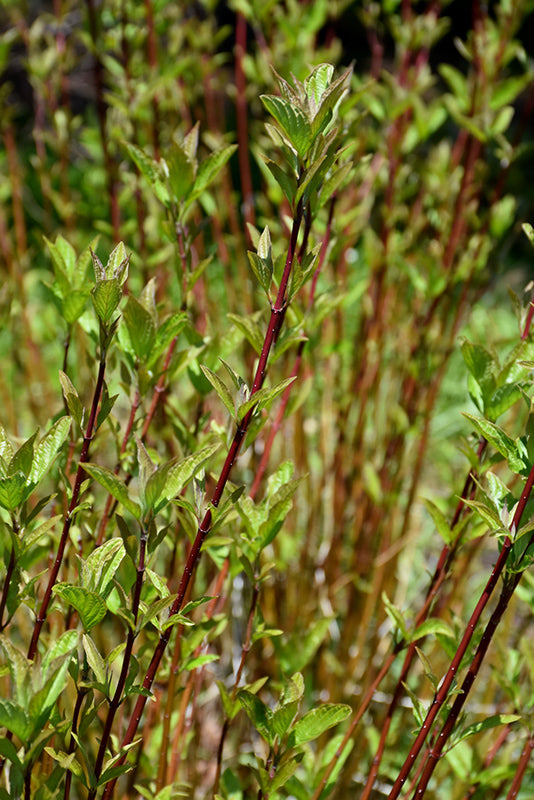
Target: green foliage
x=234, y=274
x=284, y=732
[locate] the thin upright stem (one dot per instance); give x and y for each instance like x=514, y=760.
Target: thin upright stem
x=296, y=366
x=125, y=439
x=205, y=526
x=117, y=696
x=443, y=691
x=5, y=590
x=71, y=512
x=80, y=696
x=521, y=768
x=244, y=653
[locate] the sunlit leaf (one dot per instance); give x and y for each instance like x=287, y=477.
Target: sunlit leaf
x=94, y=659
x=221, y=389
x=151, y=170
x=15, y=719
x=316, y=722
x=12, y=491
x=209, y=169
x=514, y=452
x=251, y=330
x=259, y=714
x=102, y=565
x=70, y=394
x=106, y=296
x=141, y=328
x=292, y=121
x=285, y=770
x=47, y=449
x=114, y=485
x=117, y=266
x=89, y=605
x=168, y=481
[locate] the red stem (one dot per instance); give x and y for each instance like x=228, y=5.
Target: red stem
x=272, y=331
x=521, y=768
x=117, y=697
x=441, y=695
x=296, y=367
x=5, y=590
x=80, y=475
x=125, y=439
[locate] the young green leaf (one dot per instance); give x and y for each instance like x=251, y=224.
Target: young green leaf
x=48, y=448
x=286, y=181
x=529, y=231
x=209, y=169
x=292, y=120
x=6, y=448
x=15, y=719
x=169, y=480
x=73, y=304
x=43, y=701
x=89, y=605
x=117, y=266
x=182, y=171
x=316, y=84
x=106, y=296
x=490, y=722
x=284, y=771
x=316, y=722
x=231, y=707
x=251, y=330
x=283, y=717
x=396, y=617
x=261, y=270
x=263, y=397
x=327, y=96
x=60, y=647
x=152, y=171
x=101, y=566
x=431, y=627
x=12, y=491
x=94, y=659
x=23, y=459
x=440, y=521
x=280, y=504
x=259, y=714
x=141, y=328
x=514, y=452
x=115, y=486
x=221, y=388
x=72, y=399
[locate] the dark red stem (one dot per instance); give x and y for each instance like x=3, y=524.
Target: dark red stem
x=521, y=768
x=441, y=695
x=194, y=554
x=5, y=590
x=80, y=475
x=117, y=697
